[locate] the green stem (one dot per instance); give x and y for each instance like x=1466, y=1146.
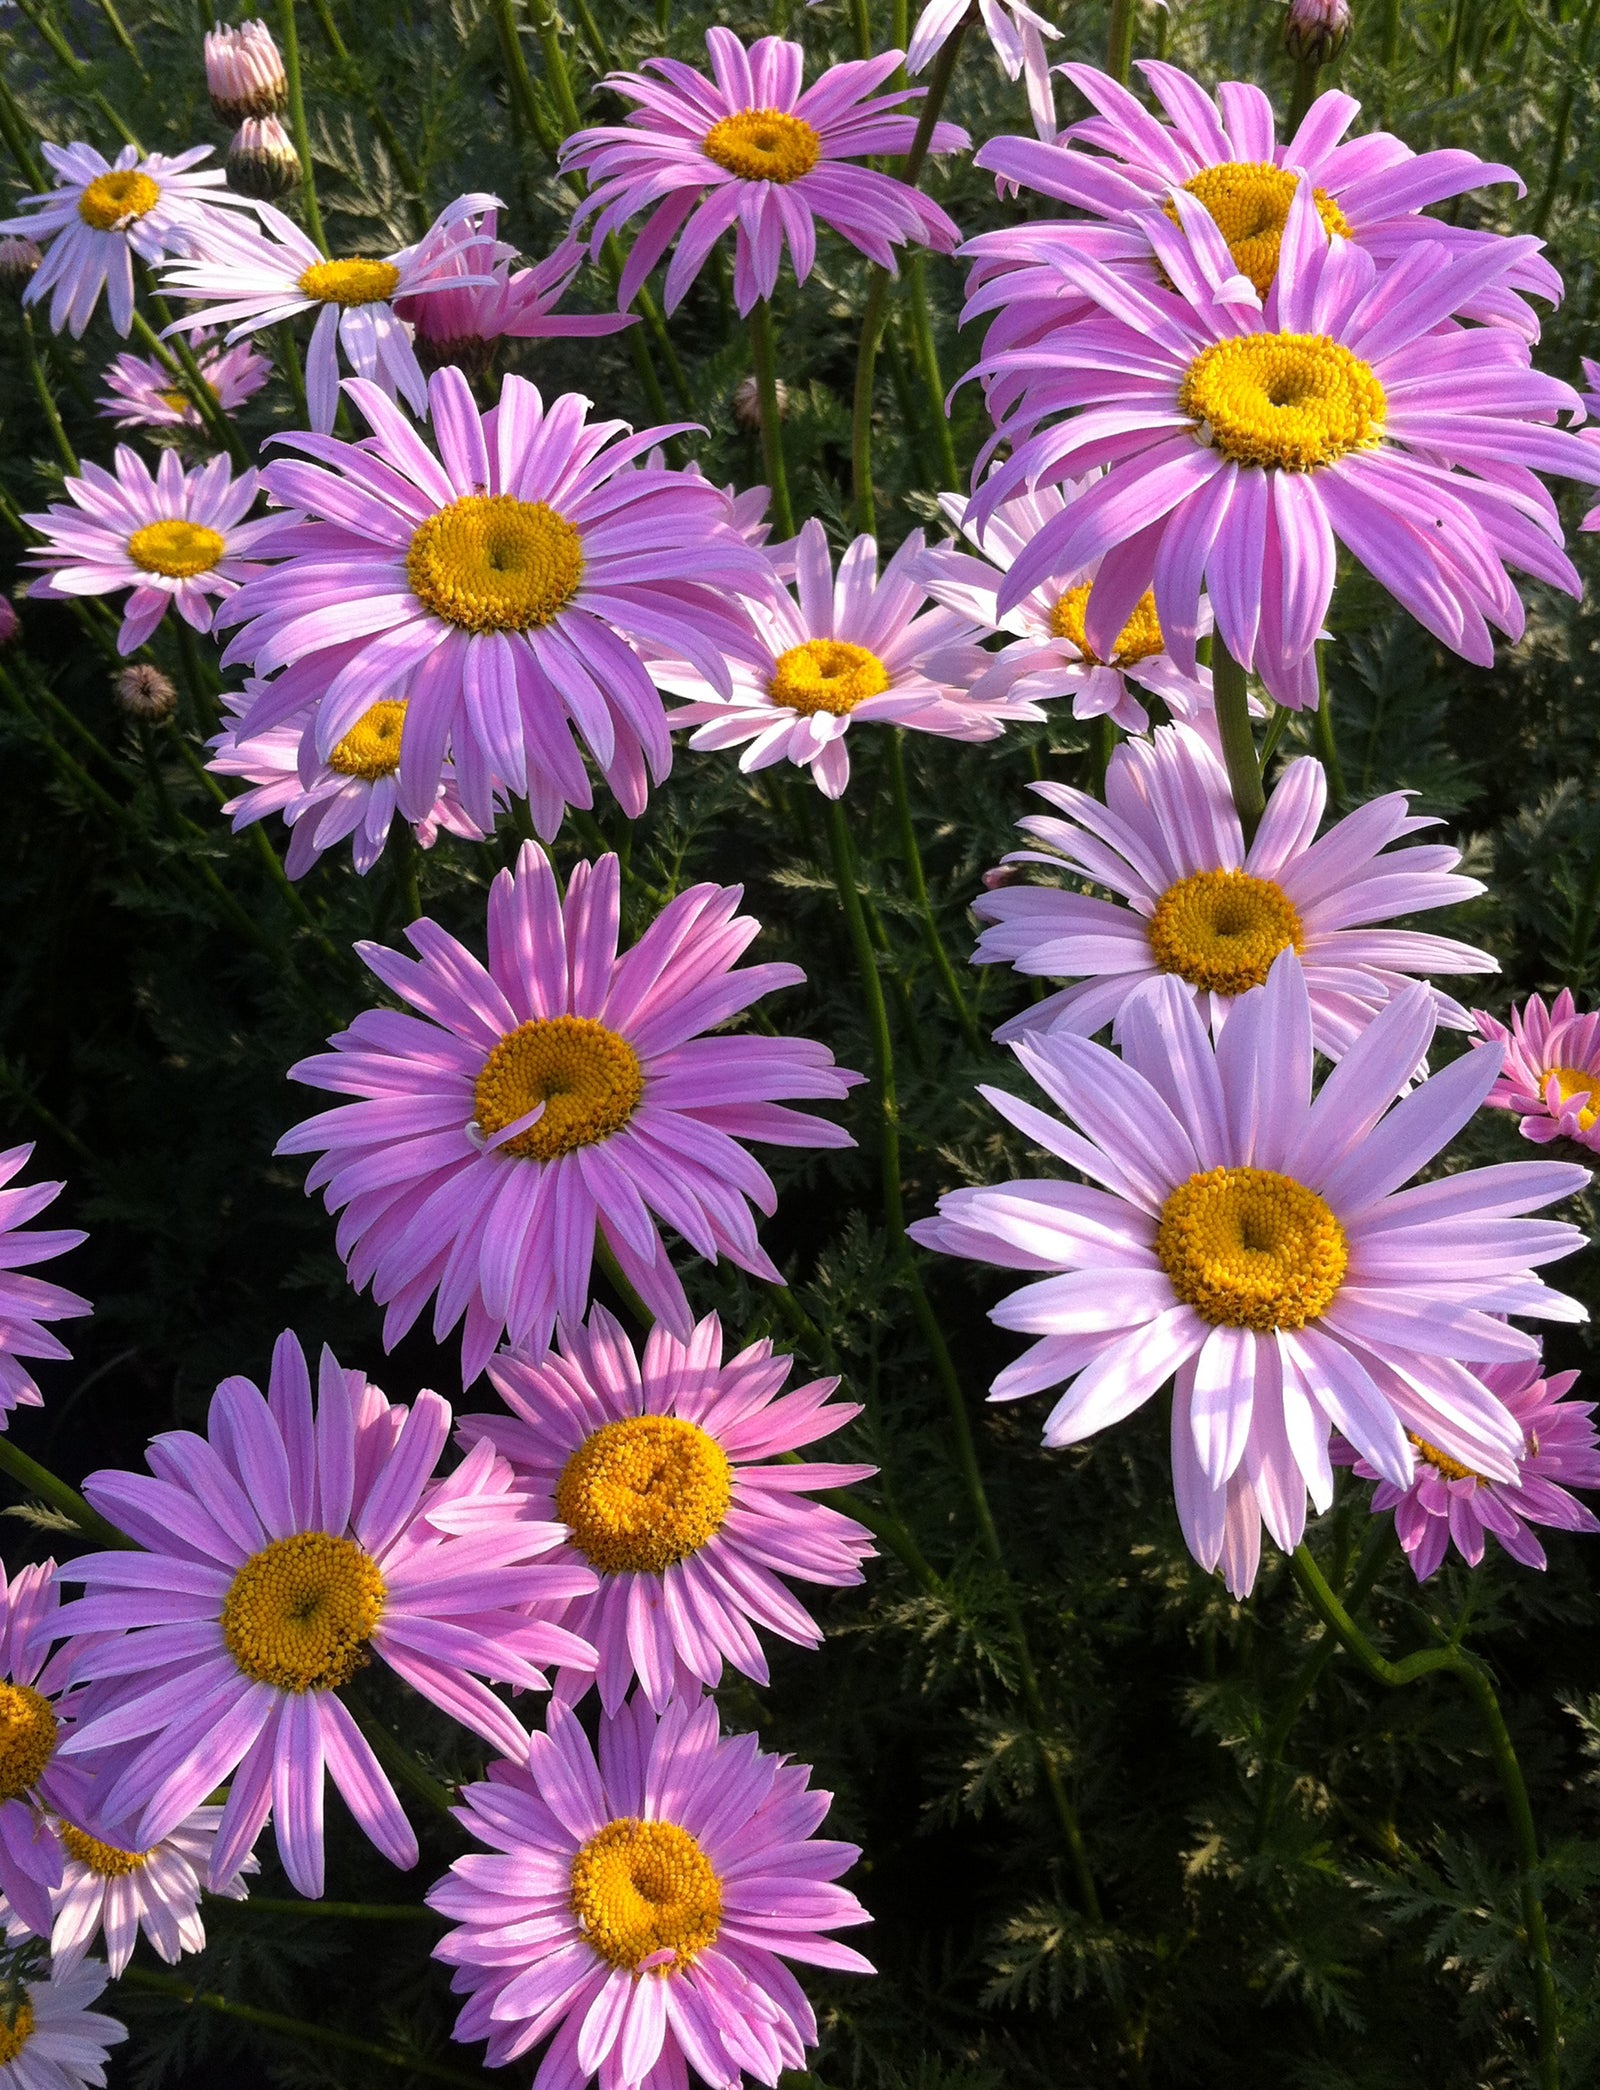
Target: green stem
x=39, y=1480
x=863, y=28
x=1322, y=735
x=764, y=350
x=1119, y=40
x=518, y=78
x=1563, y=126
x=927, y=355
x=605, y=1256
x=919, y=892
x=16, y=130
x=1232, y=699
x=115, y=23
x=1102, y=746
x=393, y=144
x=47, y=404
x=1475, y=1680
x=271, y=862
x=297, y=122
x=298, y=2028
x=179, y=359
x=398, y=1760
x=351, y=1911
x=15, y=1085
x=1303, y=93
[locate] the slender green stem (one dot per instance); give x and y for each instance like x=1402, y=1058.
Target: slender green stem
x=15, y=1085
x=297, y=122
x=47, y=404
x=349, y=1911
x=518, y=78
x=16, y=129
x=1302, y=94
x=49, y=1487
x=620, y=1283
x=75, y=68
x=1475, y=1680
x=1238, y=736
x=927, y=354
x=863, y=28
x=115, y=23
x=393, y=143
x=1563, y=123
x=397, y=1759
x=179, y=358
x=1119, y=40
x=764, y=350
x=1322, y=735
x=919, y=892
x=1102, y=746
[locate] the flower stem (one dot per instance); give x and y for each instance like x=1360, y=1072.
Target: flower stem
x=14, y=128
x=178, y=357
x=352, y=1911
x=47, y=404
x=119, y=30
x=1302, y=94
x=764, y=350
x=297, y=122
x=1119, y=40
x=927, y=355
x=393, y=144
x=1322, y=735
x=919, y=892
x=1563, y=123
x=396, y=1759
x=1475, y=1680
x=49, y=1487
x=1237, y=736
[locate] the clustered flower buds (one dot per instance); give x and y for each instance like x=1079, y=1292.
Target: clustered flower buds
x=244, y=73
x=1316, y=31
x=145, y=693
x=262, y=161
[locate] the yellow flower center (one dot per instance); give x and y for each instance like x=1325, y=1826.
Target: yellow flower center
x=1249, y=203
x=490, y=562
x=114, y=200
x=826, y=675
x=1138, y=639
x=763, y=145
x=177, y=549
x=643, y=1494
x=643, y=1887
x=1452, y=1469
x=1221, y=930
x=1571, y=1083
x=1248, y=1248
x=588, y=1079
x=1293, y=401
x=16, y=2029
x=371, y=748
x=103, y=1859
x=350, y=282
x=301, y=1611
x=177, y=400
x=27, y=1738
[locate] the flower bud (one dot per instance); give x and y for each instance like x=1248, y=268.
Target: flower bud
x=262, y=161
x=10, y=622
x=145, y=693
x=244, y=73
x=1001, y=876
x=747, y=402
x=18, y=260
x=1316, y=31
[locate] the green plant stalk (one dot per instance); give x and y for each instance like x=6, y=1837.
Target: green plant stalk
x=518, y=78
x=919, y=892
x=763, y=349
x=1475, y=1680
x=1102, y=746
x=15, y=129
x=115, y=23
x=863, y=28
x=393, y=144
x=1237, y=736
x=397, y=1760
x=1119, y=39
x=47, y=404
x=178, y=357
x=290, y=36
x=1563, y=124
x=15, y=1086
x=350, y=1911
x=75, y=69
x=1302, y=94
x=1322, y=735
x=872, y=318
x=298, y=2028
x=926, y=352
x=49, y=1487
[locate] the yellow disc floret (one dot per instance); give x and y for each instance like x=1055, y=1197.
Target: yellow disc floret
x=1138, y=639
x=640, y=1888
x=112, y=201
x=643, y=1494
x=350, y=282
x=1573, y=1084
x=587, y=1077
x=1221, y=930
x=105, y=1860
x=1287, y=401
x=826, y=675
x=371, y=748
x=177, y=549
x=27, y=1738
x=16, y=2028
x=1248, y=1248
x=763, y=145
x=1441, y=1461
x=1249, y=204
x=301, y=1611
x=490, y=562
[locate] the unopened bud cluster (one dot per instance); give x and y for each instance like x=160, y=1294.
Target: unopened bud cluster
x=1316, y=31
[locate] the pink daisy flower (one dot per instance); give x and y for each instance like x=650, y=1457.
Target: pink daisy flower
x=663, y=1473
x=55, y=2041
x=748, y=150
x=1123, y=163
x=500, y=586
x=281, y=1553
x=34, y=1715
x=142, y=395
x=244, y=280
x=1449, y=1503
x=1047, y=653
x=1196, y=905
x=559, y=1089
x=639, y=1905
x=1243, y=444
x=1551, y=1072
x=26, y=1303
x=1017, y=33
x=178, y=540
x=1254, y=1245
x=353, y=794
x=462, y=324
x=859, y=650
x=102, y=213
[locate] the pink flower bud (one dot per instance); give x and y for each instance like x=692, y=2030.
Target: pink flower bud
x=262, y=160
x=1316, y=31
x=244, y=72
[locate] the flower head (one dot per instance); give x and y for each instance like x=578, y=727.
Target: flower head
x=662, y=1470
x=1242, y=442
x=49, y=2037
x=501, y=587
x=1017, y=33
x=279, y=1554
x=102, y=213
x=247, y=280
x=749, y=150
x=1316, y=31
x=144, y=693
x=19, y=262
x=1550, y=1075
x=1193, y=903
x=639, y=1904
x=559, y=1089
x=835, y=653
x=26, y=1303
x=244, y=72
x=179, y=540
x=462, y=325
x=262, y=160
x=34, y=1714
x=1255, y=1242
x=141, y=392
